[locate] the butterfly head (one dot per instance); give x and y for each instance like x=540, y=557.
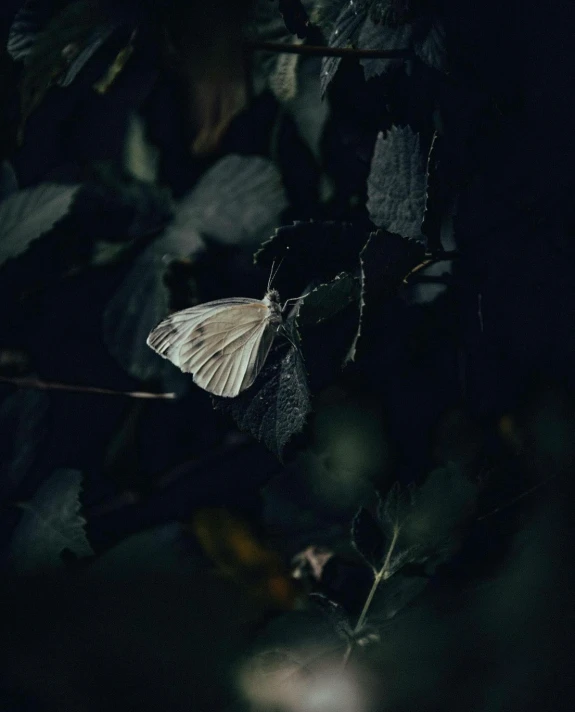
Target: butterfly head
x=272, y=301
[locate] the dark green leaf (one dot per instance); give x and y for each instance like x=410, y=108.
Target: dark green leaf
x=314, y=250
x=367, y=538
x=345, y=31
x=397, y=183
x=276, y=407
x=394, y=508
x=295, y=17
x=385, y=261
x=394, y=594
x=327, y=300
x=423, y=34
x=442, y=507
x=381, y=36
x=51, y=524
x=431, y=49
x=392, y=514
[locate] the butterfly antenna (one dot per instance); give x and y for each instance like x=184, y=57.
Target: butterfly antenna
x=273, y=274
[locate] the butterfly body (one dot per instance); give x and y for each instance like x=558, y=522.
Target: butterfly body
x=224, y=343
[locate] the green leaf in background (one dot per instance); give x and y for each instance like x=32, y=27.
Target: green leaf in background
x=28, y=23
x=344, y=33
x=28, y=214
x=58, y=52
x=424, y=35
x=237, y=201
x=51, y=523
x=380, y=36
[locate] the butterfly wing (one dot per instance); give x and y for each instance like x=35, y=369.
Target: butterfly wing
x=224, y=344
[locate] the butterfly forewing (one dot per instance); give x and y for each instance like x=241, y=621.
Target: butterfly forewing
x=224, y=344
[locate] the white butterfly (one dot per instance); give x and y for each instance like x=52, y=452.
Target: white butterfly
x=224, y=343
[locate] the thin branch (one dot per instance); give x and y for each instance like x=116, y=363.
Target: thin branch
x=430, y=259
x=319, y=51
x=38, y=385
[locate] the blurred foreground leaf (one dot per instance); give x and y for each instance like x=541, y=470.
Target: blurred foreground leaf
x=27, y=26
x=22, y=429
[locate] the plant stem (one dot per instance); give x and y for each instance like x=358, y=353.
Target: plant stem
x=380, y=576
